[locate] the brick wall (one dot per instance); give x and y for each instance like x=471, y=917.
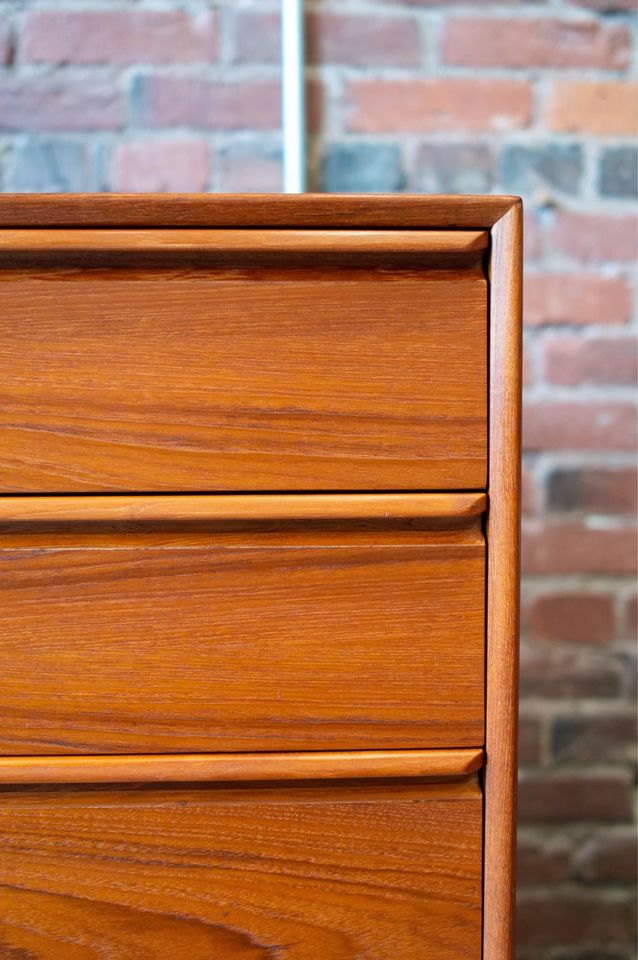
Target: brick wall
x=527, y=97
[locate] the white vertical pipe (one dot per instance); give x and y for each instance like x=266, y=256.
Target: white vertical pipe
x=293, y=100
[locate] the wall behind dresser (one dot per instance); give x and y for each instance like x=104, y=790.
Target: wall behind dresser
x=412, y=95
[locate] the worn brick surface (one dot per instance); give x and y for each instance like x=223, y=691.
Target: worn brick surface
x=571, y=547
x=161, y=166
x=117, y=36
x=594, y=237
x=543, y=171
x=576, y=299
x=602, y=737
x=595, y=107
x=619, y=173
x=363, y=168
x=576, y=796
x=570, y=617
x=534, y=42
x=605, y=490
x=429, y=106
x=608, y=857
x=536, y=97
x=571, y=361
x=574, y=425
x=456, y=168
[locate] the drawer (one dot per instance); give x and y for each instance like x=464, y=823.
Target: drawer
x=243, y=872
x=238, y=360
x=238, y=623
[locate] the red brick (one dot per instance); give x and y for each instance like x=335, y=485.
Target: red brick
x=117, y=36
x=257, y=37
x=211, y=105
x=247, y=168
x=551, y=672
x=606, y=6
x=423, y=106
x=532, y=237
x=318, y=105
x=454, y=3
x=542, y=860
x=144, y=166
x=576, y=797
x=553, y=548
x=594, y=238
x=572, y=361
x=529, y=741
x=571, y=617
x=589, y=106
x=331, y=38
x=573, y=917
x=608, y=857
x=363, y=41
x=534, y=42
x=60, y=103
x=5, y=42
x=528, y=491
x=528, y=369
x=612, y=490
x=579, y=426
x=575, y=299
x=631, y=618
x=608, y=737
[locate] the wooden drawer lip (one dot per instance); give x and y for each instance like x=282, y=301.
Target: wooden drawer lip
x=223, y=767
x=192, y=507
x=257, y=635
x=288, y=375
x=244, y=242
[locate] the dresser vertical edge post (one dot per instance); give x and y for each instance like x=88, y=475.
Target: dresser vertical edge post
x=503, y=537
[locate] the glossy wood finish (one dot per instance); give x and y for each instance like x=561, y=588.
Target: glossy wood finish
x=390, y=211
x=503, y=585
x=194, y=508
x=292, y=244
x=242, y=873
x=212, y=638
x=336, y=631
x=198, y=767
x=194, y=378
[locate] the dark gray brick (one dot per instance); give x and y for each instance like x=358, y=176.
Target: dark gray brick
x=362, y=168
x=455, y=168
x=49, y=166
x=532, y=171
x=619, y=172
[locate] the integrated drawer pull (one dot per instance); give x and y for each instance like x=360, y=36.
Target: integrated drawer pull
x=292, y=507
x=192, y=768
x=253, y=243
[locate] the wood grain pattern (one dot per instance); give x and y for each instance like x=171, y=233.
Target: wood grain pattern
x=198, y=767
x=193, y=379
x=286, y=507
x=247, y=243
x=503, y=586
x=206, y=641
x=257, y=210
x=242, y=873
x=160, y=627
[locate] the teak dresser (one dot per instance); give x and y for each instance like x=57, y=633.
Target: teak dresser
x=259, y=474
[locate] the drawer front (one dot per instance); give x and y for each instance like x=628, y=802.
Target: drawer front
x=230, y=634
x=277, y=360
x=239, y=872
